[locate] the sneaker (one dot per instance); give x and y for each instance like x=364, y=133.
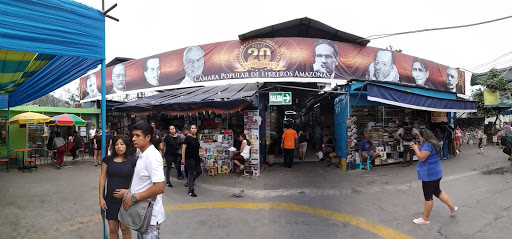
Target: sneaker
x=452, y=214
x=169, y=184
x=192, y=194
x=420, y=221
x=186, y=184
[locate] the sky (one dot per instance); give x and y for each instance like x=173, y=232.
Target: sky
x=154, y=26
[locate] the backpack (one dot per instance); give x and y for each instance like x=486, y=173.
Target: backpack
x=303, y=138
x=408, y=137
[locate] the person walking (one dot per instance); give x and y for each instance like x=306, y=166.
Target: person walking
x=446, y=146
x=181, y=139
x=303, y=143
x=288, y=144
x=108, y=141
x=190, y=158
x=318, y=137
x=59, y=144
x=430, y=173
x=171, y=154
x=97, y=147
x=458, y=139
x=50, y=146
x=407, y=135
x=148, y=179
x=92, y=133
x=116, y=172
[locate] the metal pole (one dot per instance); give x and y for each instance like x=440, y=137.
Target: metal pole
x=8, y=118
x=103, y=127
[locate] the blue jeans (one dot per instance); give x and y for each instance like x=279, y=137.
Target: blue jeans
x=445, y=149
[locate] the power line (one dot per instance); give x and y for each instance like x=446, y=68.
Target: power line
x=485, y=64
x=496, y=65
x=379, y=36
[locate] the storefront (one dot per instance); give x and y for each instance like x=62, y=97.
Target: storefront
x=380, y=109
x=36, y=135
x=220, y=113
x=309, y=64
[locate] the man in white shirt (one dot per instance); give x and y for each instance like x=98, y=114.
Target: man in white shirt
x=92, y=133
x=148, y=179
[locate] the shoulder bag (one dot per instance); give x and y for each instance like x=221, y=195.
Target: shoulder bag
x=138, y=216
x=507, y=150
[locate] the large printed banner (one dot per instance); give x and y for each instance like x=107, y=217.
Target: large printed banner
x=496, y=99
x=299, y=58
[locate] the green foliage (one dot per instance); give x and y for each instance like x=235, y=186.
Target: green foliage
x=493, y=81
x=49, y=100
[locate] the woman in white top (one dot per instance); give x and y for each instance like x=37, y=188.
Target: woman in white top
x=59, y=144
x=239, y=157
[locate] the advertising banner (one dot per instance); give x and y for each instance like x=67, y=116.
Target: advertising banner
x=269, y=58
x=496, y=99
x=438, y=117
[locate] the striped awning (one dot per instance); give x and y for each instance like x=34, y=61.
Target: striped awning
x=45, y=45
x=17, y=67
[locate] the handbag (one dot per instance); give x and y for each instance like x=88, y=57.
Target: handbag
x=507, y=150
x=138, y=216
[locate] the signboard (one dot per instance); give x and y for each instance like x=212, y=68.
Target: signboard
x=300, y=59
x=497, y=99
x=438, y=117
x=280, y=98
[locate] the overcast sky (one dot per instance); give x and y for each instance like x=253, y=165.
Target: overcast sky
x=154, y=26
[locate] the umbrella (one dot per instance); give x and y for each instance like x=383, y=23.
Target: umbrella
x=29, y=118
x=66, y=120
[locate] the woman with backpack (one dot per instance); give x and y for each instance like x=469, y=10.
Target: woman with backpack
x=303, y=143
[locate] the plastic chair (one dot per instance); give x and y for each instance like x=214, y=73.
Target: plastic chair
x=362, y=164
x=31, y=161
x=7, y=163
x=35, y=154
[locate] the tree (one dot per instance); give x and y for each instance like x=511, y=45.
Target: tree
x=48, y=100
x=493, y=81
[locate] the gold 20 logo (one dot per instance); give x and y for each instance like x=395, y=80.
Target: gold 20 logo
x=257, y=54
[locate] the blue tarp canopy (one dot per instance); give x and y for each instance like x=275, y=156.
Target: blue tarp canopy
x=508, y=112
x=45, y=44
x=392, y=96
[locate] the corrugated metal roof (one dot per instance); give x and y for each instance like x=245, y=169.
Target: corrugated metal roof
x=304, y=27
x=222, y=93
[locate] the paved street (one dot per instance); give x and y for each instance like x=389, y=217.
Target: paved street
x=310, y=200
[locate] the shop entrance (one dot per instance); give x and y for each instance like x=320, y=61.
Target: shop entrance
x=311, y=115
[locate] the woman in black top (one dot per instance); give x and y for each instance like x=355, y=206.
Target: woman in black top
x=191, y=160
x=97, y=147
x=171, y=154
x=118, y=170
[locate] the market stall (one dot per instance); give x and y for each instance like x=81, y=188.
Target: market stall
x=381, y=109
x=217, y=119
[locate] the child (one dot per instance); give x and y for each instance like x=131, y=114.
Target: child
x=480, y=146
